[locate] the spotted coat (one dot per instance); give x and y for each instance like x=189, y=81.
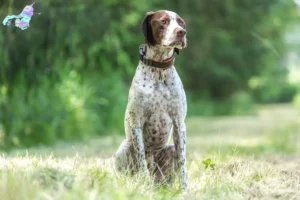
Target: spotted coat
x=157, y=109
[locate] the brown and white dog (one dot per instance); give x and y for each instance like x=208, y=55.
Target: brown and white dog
x=157, y=104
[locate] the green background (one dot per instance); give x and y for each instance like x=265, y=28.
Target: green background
x=67, y=76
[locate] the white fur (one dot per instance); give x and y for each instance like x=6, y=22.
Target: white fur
x=156, y=110
x=170, y=35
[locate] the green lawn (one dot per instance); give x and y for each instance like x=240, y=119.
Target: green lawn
x=252, y=157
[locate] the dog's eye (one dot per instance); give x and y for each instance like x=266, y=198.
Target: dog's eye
x=163, y=21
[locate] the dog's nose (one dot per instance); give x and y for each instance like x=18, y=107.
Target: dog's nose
x=181, y=33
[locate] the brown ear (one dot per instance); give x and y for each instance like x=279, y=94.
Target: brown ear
x=147, y=29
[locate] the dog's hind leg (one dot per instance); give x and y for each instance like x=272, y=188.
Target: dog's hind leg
x=164, y=164
x=125, y=160
x=121, y=159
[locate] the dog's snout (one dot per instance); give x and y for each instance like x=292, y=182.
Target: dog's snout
x=181, y=33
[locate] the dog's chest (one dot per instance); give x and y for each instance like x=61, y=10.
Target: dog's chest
x=158, y=90
x=161, y=95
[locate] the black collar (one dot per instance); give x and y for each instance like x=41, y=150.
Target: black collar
x=165, y=64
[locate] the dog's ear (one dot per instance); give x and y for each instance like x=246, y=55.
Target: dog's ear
x=147, y=29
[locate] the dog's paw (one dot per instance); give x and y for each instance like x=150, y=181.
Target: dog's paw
x=184, y=189
x=145, y=173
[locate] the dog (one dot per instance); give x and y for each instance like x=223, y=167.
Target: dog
x=157, y=105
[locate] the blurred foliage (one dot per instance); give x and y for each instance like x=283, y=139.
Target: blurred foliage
x=232, y=41
x=67, y=76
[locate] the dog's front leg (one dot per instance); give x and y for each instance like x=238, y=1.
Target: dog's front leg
x=139, y=150
x=134, y=130
x=179, y=137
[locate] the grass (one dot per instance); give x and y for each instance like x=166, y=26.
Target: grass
x=251, y=157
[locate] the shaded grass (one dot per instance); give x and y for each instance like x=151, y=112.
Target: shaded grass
x=253, y=157
x=237, y=178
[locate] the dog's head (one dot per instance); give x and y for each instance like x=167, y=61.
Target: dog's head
x=164, y=28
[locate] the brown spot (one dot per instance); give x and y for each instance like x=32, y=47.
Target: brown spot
x=181, y=22
x=155, y=25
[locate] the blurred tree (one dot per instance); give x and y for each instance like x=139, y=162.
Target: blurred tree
x=230, y=42
x=63, y=78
